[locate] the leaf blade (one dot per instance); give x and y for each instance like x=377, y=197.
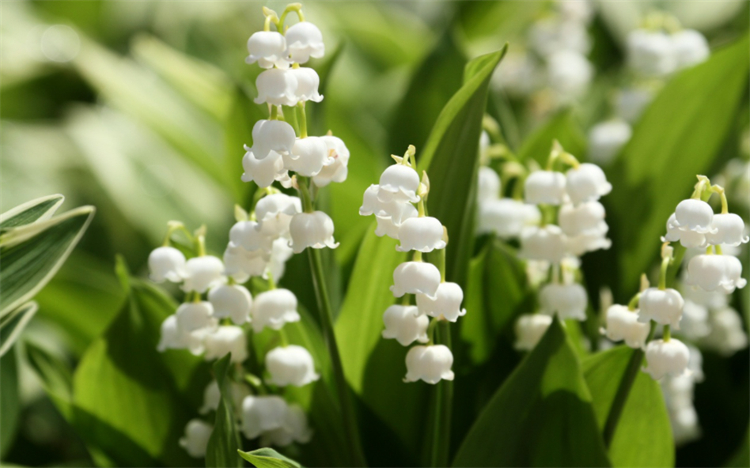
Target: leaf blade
x=224, y=442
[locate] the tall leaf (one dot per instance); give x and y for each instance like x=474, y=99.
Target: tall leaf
x=13, y=324
x=225, y=439
x=40, y=209
x=269, y=458
x=55, y=375
x=10, y=403
x=541, y=416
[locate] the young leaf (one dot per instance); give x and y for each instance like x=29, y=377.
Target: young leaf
x=540, y=416
x=268, y=458
x=224, y=442
x=12, y=324
x=644, y=435
x=40, y=209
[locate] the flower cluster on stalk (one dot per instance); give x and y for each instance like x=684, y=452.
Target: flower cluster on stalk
x=220, y=315
x=436, y=300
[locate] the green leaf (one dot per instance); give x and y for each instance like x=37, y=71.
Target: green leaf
x=540, y=416
x=644, y=435
x=451, y=159
x=31, y=254
x=268, y=458
x=224, y=442
x=243, y=114
x=55, y=375
x=680, y=135
x=561, y=127
x=10, y=403
x=40, y=209
x=13, y=324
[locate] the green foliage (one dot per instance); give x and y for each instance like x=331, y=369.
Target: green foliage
x=13, y=324
x=39, y=209
x=541, y=416
x=55, y=375
x=268, y=458
x=10, y=404
x=561, y=127
x=224, y=442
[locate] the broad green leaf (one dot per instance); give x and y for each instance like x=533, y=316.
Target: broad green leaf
x=10, y=403
x=561, y=127
x=451, y=160
x=243, y=114
x=644, y=435
x=268, y=458
x=680, y=135
x=32, y=254
x=224, y=442
x=13, y=324
x=541, y=416
x=55, y=375
x=40, y=209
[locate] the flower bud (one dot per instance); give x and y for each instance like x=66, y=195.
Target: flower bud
x=569, y=301
x=268, y=48
x=606, y=139
x=728, y=229
x=587, y=217
x=686, y=237
x=241, y=264
x=529, y=330
x=272, y=135
x=447, y=302
x=192, y=316
x=308, y=156
x=429, y=363
x=489, y=184
x=173, y=337
x=415, y=278
x=233, y=301
x=650, y=53
x=666, y=358
x=261, y=171
x=544, y=187
x=273, y=309
x=400, y=183
x=715, y=272
x=274, y=212
x=226, y=339
x=311, y=230
x=506, y=217
x=304, y=40
x=248, y=235
x=623, y=324
x=689, y=47
x=166, y=263
x=293, y=429
x=195, y=441
x=307, y=84
x=422, y=234
x=290, y=365
x=543, y=243
x=662, y=306
x=276, y=87
x=261, y=414
x=336, y=167
x=694, y=215
x=405, y=325
x=586, y=182
x=202, y=272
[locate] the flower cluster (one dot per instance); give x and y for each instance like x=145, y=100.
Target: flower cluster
x=678, y=396
x=392, y=202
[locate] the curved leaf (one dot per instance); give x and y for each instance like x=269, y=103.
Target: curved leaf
x=268, y=458
x=40, y=209
x=13, y=324
x=224, y=442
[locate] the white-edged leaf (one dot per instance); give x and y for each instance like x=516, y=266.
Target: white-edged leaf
x=39, y=209
x=12, y=325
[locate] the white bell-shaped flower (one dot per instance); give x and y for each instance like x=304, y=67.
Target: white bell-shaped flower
x=586, y=182
x=686, y=237
x=429, y=363
x=272, y=135
x=308, y=156
x=404, y=324
x=212, y=396
x=415, y=278
x=370, y=201
x=715, y=272
x=489, y=184
x=261, y=414
x=709, y=299
x=553, y=34
x=729, y=229
x=202, y=272
x=694, y=324
x=623, y=324
x=195, y=441
x=543, y=243
x=390, y=225
x=587, y=217
x=506, y=217
x=689, y=47
x=249, y=236
x=529, y=330
x=226, y=339
x=684, y=422
x=400, y=183
x=337, y=167
x=423, y=234
x=290, y=365
x=273, y=309
x=280, y=253
x=569, y=301
x=304, y=40
x=261, y=171
x=166, y=263
x=544, y=187
x=293, y=429
x=447, y=302
x=308, y=82
x=588, y=242
x=233, y=301
x=173, y=337
x=274, y=213
x=727, y=334
x=662, y=306
x=651, y=54
x=694, y=215
x=666, y=358
x=569, y=74
x=277, y=87
x=268, y=48
x=311, y=230
x=241, y=264
x=607, y=138
x=193, y=316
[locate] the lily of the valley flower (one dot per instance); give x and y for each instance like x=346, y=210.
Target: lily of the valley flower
x=311, y=230
x=623, y=324
x=666, y=358
x=544, y=187
x=543, y=243
x=506, y=217
x=202, y=272
x=274, y=213
x=715, y=272
x=166, y=263
x=173, y=337
x=586, y=182
x=195, y=441
x=694, y=215
x=232, y=301
x=240, y=264
x=249, y=236
x=192, y=316
x=429, y=363
x=308, y=156
x=662, y=306
x=728, y=229
x=489, y=184
x=277, y=87
x=404, y=324
x=336, y=168
x=261, y=171
x=272, y=135
x=307, y=84
x=415, y=278
x=226, y=339
x=607, y=138
x=293, y=429
x=268, y=48
x=447, y=302
x=569, y=301
x=261, y=414
x=423, y=234
x=400, y=183
x=291, y=365
x=273, y=309
x=529, y=330
x=304, y=40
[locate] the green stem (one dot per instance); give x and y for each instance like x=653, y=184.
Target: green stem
x=441, y=435
x=667, y=334
x=663, y=273
x=441, y=263
x=302, y=120
x=307, y=202
x=634, y=302
x=326, y=319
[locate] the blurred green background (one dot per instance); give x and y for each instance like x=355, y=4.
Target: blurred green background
x=141, y=109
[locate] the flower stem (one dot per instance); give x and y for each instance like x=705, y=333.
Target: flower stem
x=302, y=120
x=441, y=435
